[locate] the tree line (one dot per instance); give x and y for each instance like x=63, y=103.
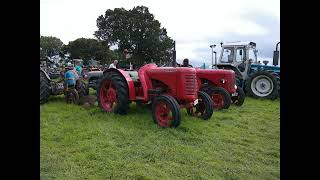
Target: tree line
x=135, y=30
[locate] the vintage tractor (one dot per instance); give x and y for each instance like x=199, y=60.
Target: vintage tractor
x=167, y=88
x=49, y=87
x=50, y=68
x=257, y=80
x=221, y=86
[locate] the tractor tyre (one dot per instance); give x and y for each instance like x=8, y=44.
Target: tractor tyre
x=204, y=108
x=278, y=80
x=45, y=90
x=238, y=80
x=72, y=96
x=166, y=111
x=112, y=93
x=220, y=97
x=262, y=84
x=239, y=100
x=82, y=88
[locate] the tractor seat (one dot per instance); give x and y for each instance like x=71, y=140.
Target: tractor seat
x=134, y=75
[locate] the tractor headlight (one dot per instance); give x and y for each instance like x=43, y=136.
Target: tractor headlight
x=235, y=86
x=223, y=81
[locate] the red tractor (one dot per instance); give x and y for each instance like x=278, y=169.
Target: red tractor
x=167, y=88
x=221, y=86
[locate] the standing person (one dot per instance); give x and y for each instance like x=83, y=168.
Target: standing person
x=78, y=68
x=125, y=62
x=114, y=64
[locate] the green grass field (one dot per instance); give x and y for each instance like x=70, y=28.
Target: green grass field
x=238, y=143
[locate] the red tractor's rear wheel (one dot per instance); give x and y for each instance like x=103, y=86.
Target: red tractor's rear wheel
x=203, y=109
x=165, y=111
x=112, y=93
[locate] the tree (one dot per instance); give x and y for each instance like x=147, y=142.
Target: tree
x=50, y=46
x=87, y=49
x=136, y=30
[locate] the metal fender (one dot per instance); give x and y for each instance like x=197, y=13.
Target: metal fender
x=41, y=70
x=126, y=76
x=144, y=79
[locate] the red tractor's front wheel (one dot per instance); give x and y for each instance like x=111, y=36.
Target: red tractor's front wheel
x=220, y=97
x=112, y=93
x=165, y=111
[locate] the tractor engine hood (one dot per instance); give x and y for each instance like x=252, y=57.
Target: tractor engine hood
x=181, y=82
x=276, y=69
x=214, y=71
x=218, y=77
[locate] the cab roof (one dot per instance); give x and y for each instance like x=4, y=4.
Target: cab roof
x=239, y=43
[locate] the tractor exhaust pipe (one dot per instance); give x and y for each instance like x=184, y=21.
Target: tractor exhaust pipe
x=215, y=59
x=215, y=53
x=277, y=46
x=276, y=55
x=174, y=54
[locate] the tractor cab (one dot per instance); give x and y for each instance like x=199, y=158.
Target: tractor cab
x=238, y=56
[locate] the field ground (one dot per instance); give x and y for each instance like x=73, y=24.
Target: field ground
x=238, y=143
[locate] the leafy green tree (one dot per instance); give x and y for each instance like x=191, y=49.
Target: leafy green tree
x=50, y=46
x=136, y=30
x=87, y=49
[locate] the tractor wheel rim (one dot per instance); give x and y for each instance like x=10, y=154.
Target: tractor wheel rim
x=262, y=86
x=108, y=96
x=218, y=101
x=163, y=114
x=199, y=109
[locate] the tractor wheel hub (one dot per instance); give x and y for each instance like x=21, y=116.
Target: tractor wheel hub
x=262, y=86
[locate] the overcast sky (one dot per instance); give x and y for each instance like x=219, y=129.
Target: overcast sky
x=193, y=24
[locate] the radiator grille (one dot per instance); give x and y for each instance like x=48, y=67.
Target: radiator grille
x=191, y=84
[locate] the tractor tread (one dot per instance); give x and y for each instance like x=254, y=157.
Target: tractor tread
x=45, y=90
x=122, y=92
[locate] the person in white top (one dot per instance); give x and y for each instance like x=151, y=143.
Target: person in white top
x=114, y=64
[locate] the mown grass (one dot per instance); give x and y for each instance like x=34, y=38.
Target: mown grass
x=238, y=143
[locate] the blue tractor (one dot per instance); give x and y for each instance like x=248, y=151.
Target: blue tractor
x=258, y=80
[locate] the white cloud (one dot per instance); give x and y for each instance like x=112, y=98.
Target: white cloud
x=190, y=23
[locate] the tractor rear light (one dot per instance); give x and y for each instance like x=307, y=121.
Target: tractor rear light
x=223, y=81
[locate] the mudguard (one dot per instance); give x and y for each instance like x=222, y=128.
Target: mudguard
x=126, y=76
x=41, y=70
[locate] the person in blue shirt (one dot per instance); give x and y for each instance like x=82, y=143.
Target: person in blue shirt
x=71, y=76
